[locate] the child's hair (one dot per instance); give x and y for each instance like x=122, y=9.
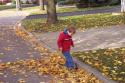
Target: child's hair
x=72, y=29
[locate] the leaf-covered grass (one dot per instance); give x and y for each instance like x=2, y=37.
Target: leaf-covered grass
x=111, y=62
x=81, y=22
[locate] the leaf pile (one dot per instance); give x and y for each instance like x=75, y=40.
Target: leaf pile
x=36, y=44
x=53, y=66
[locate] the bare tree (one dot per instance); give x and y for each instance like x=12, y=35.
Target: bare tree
x=51, y=12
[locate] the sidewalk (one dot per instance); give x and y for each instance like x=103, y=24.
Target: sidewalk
x=14, y=48
x=92, y=39
x=8, y=17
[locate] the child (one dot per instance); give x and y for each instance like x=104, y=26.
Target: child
x=65, y=43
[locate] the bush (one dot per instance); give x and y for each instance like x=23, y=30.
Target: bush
x=14, y=1
x=0, y=3
x=81, y=5
x=35, y=2
x=94, y=3
x=116, y=2
x=86, y=3
x=66, y=2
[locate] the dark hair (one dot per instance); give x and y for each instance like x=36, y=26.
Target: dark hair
x=72, y=29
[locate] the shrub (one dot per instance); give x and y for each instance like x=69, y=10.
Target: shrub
x=14, y=1
x=66, y=2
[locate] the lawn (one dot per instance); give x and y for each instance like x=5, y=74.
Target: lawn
x=111, y=62
x=25, y=7
x=3, y=7
x=72, y=9
x=81, y=22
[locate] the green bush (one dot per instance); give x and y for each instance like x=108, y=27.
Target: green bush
x=96, y=3
x=0, y=3
x=66, y=2
x=27, y=2
x=14, y=1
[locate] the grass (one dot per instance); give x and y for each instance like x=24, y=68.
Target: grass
x=3, y=7
x=13, y=7
x=81, y=22
x=34, y=10
x=71, y=9
x=111, y=62
x=31, y=8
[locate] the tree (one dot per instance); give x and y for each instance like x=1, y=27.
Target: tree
x=123, y=6
x=18, y=5
x=51, y=12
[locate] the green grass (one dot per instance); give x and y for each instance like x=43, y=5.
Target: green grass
x=71, y=9
x=81, y=22
x=111, y=62
x=31, y=8
x=13, y=7
x=3, y=7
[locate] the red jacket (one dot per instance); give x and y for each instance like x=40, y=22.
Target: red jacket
x=65, y=41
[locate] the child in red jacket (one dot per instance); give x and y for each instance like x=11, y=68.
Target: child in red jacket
x=65, y=43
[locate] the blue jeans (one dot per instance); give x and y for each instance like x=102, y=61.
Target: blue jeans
x=69, y=60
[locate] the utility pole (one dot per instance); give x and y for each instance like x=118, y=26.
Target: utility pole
x=123, y=6
x=18, y=5
x=41, y=3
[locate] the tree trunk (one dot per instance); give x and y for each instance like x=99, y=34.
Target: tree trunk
x=51, y=12
x=123, y=6
x=18, y=5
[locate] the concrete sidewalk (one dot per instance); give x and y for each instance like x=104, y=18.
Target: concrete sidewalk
x=14, y=48
x=92, y=39
x=11, y=17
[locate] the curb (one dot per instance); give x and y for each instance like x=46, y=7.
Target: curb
x=36, y=44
